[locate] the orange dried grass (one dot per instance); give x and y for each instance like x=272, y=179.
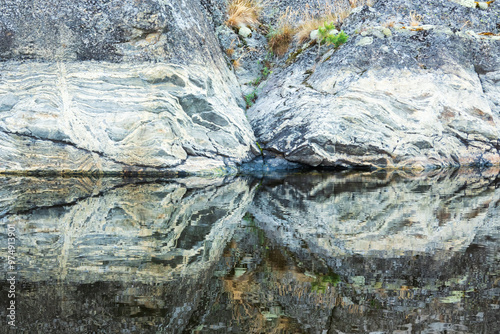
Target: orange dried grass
x=280, y=40
x=415, y=19
x=328, y=12
x=244, y=12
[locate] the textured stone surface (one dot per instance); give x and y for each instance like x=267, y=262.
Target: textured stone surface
x=96, y=116
x=420, y=98
x=126, y=246
x=120, y=255
x=116, y=87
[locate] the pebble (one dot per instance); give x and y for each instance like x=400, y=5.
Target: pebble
x=377, y=33
x=245, y=32
x=387, y=32
x=482, y=5
x=466, y=3
x=364, y=41
x=314, y=35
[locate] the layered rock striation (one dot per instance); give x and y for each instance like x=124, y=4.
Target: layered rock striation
x=134, y=87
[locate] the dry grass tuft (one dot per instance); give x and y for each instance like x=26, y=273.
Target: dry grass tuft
x=327, y=12
x=357, y=3
x=282, y=37
x=244, y=12
x=230, y=50
x=415, y=19
x=280, y=43
x=236, y=63
x=389, y=24
x=311, y=22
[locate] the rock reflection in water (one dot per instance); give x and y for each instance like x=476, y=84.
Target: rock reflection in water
x=305, y=253
x=92, y=252
x=388, y=214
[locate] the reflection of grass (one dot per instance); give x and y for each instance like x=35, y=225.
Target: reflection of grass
x=271, y=276
x=254, y=229
x=324, y=281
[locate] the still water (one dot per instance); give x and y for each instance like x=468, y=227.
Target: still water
x=316, y=252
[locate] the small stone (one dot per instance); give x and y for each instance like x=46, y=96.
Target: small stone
x=387, y=32
x=245, y=32
x=378, y=33
x=427, y=26
x=466, y=3
x=314, y=35
x=385, y=48
x=364, y=41
x=364, y=33
x=482, y=5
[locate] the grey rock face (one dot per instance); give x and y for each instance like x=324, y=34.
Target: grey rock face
x=417, y=98
x=112, y=117
x=160, y=98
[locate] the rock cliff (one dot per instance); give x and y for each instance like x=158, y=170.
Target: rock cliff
x=116, y=86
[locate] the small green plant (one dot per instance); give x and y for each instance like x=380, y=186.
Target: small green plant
x=326, y=28
x=266, y=72
x=324, y=281
x=328, y=36
x=260, y=148
x=263, y=76
x=250, y=98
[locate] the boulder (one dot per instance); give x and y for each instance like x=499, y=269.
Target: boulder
x=116, y=87
x=423, y=96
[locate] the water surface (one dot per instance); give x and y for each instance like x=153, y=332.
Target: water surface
x=316, y=252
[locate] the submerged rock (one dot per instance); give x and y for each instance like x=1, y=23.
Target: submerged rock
x=116, y=87
x=419, y=98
